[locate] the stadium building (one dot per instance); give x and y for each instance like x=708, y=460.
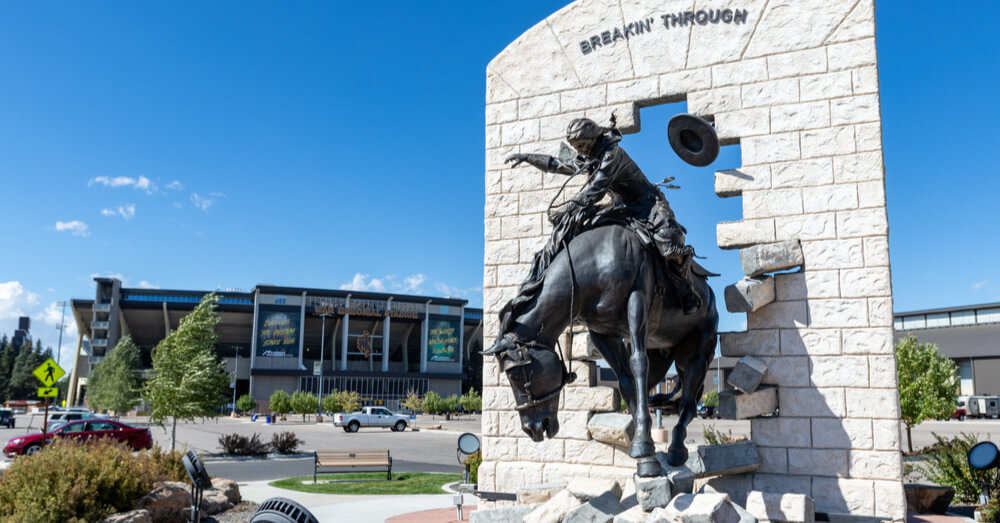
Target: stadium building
x=293, y=338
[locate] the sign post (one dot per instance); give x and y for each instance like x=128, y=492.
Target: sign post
x=48, y=373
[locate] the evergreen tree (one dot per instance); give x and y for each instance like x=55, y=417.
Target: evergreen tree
x=115, y=382
x=23, y=384
x=6, y=365
x=188, y=380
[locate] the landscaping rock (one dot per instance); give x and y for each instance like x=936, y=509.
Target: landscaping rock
x=770, y=257
x=632, y=515
x=702, y=508
x=166, y=502
x=228, y=487
x=214, y=501
x=612, y=428
x=749, y=294
x=737, y=405
x=555, y=509
x=736, y=487
x=747, y=374
x=501, y=515
x=600, y=509
x=928, y=499
x=133, y=516
x=652, y=492
x=587, y=489
x=791, y=508
x=538, y=493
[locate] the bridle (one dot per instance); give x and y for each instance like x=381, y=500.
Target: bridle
x=520, y=357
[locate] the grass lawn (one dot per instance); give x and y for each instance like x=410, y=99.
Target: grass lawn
x=371, y=483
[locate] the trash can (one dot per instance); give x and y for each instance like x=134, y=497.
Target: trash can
x=267, y=420
x=253, y=418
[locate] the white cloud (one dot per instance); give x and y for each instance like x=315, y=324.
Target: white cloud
x=175, y=185
x=200, y=202
x=107, y=212
x=16, y=301
x=450, y=291
x=126, y=211
x=361, y=282
x=979, y=284
x=75, y=227
x=413, y=283
x=217, y=194
x=177, y=205
x=146, y=285
x=141, y=183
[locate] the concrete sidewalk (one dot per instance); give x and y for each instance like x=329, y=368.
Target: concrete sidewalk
x=361, y=508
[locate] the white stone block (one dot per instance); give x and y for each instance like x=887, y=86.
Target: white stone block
x=865, y=282
x=812, y=402
x=802, y=342
x=724, y=42
x=871, y=464
x=773, y=460
x=492, y=136
x=747, y=374
x=782, y=483
x=773, y=202
x=818, y=462
x=534, y=494
x=784, y=314
x=678, y=84
x=589, y=452
x=770, y=257
x=880, y=312
x=800, y=116
x=536, y=106
x=564, y=472
x=802, y=285
x=585, y=98
x=869, y=136
x=780, y=432
x=828, y=141
x=501, y=112
x=803, y=173
x=493, y=181
x=876, y=251
x=849, y=55
x=745, y=122
x=819, y=226
x=527, y=247
x=868, y=341
x=830, y=198
x=838, y=313
x=735, y=235
x=787, y=371
x=542, y=451
x=713, y=101
x=833, y=254
x=510, y=424
x=863, y=222
x=555, y=509
x=844, y=496
x=871, y=194
x=861, y=167
x=858, y=24
x=839, y=371
x=535, y=201
x=749, y=294
x=612, y=428
x=737, y=405
x=776, y=147
x=594, y=399
x=739, y=73
x=501, y=205
x=634, y=90
x=733, y=182
x=574, y=424
x=590, y=488
x=865, y=80
x=491, y=424
x=873, y=403
x=825, y=86
x=890, y=499
x=750, y=343
x=513, y=227
x=797, y=63
x=496, y=89
x=842, y=433
x=499, y=449
x=792, y=25
x=511, y=475
x=500, y=252
x=886, y=434
x=857, y=109
x=701, y=508
x=791, y=508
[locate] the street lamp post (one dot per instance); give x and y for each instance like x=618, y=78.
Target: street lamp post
x=322, y=356
x=236, y=378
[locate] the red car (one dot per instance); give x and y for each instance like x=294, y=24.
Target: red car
x=82, y=430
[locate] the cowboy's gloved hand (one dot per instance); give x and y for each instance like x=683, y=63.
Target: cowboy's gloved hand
x=515, y=159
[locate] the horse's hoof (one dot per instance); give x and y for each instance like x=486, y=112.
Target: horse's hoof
x=649, y=468
x=641, y=449
x=677, y=457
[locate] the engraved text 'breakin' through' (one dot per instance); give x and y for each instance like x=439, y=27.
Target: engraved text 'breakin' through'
x=682, y=19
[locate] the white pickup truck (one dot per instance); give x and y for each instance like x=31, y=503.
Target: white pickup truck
x=370, y=417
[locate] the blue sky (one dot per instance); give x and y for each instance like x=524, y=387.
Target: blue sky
x=334, y=144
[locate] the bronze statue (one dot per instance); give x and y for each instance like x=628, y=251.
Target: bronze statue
x=624, y=272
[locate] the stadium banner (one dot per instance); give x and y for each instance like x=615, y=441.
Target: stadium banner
x=278, y=334
x=442, y=340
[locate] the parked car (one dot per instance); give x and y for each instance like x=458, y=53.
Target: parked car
x=961, y=408
x=370, y=417
x=707, y=412
x=7, y=418
x=64, y=417
x=83, y=430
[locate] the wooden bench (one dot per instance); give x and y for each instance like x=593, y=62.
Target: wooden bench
x=352, y=459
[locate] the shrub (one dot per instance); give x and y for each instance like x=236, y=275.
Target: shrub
x=71, y=481
x=471, y=401
x=166, y=463
x=716, y=437
x=433, y=403
x=473, y=461
x=947, y=464
x=304, y=403
x=240, y=445
x=332, y=404
x=281, y=402
x=413, y=402
x=710, y=398
x=285, y=442
x=451, y=403
x=246, y=403
x=990, y=512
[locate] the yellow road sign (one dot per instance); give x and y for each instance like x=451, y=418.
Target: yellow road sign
x=49, y=372
x=48, y=392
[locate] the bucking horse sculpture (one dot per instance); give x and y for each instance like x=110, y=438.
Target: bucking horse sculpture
x=603, y=269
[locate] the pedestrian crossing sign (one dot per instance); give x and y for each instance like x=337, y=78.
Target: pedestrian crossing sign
x=48, y=392
x=49, y=372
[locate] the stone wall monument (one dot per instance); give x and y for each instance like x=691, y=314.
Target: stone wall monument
x=795, y=83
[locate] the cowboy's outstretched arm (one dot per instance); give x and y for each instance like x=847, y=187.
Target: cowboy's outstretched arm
x=599, y=183
x=544, y=162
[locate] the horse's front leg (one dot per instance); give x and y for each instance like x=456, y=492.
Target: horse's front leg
x=642, y=443
x=692, y=378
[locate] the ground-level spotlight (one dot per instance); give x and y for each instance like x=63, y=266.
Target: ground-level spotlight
x=984, y=456
x=282, y=510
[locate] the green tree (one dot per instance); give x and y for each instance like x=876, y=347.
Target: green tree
x=350, y=400
x=413, y=402
x=280, y=402
x=433, y=403
x=304, y=403
x=451, y=403
x=7, y=354
x=246, y=403
x=332, y=403
x=23, y=384
x=710, y=398
x=928, y=384
x=471, y=401
x=115, y=383
x=188, y=379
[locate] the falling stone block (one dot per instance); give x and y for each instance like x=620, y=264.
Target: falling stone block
x=652, y=492
x=601, y=509
x=534, y=494
x=747, y=374
x=612, y=428
x=701, y=508
x=770, y=257
x=589, y=488
x=555, y=509
x=501, y=515
x=736, y=405
x=749, y=294
x=791, y=508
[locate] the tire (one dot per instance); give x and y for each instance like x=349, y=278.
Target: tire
x=345, y=429
x=32, y=449
x=400, y=426
x=353, y=426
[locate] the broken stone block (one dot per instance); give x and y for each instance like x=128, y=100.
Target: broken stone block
x=791, y=508
x=538, y=493
x=736, y=405
x=736, y=487
x=712, y=460
x=589, y=488
x=555, y=509
x=749, y=294
x=771, y=257
x=702, y=508
x=652, y=492
x=601, y=509
x=632, y=515
x=501, y=515
x=612, y=427
x=747, y=374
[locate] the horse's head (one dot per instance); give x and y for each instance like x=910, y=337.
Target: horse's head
x=536, y=375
